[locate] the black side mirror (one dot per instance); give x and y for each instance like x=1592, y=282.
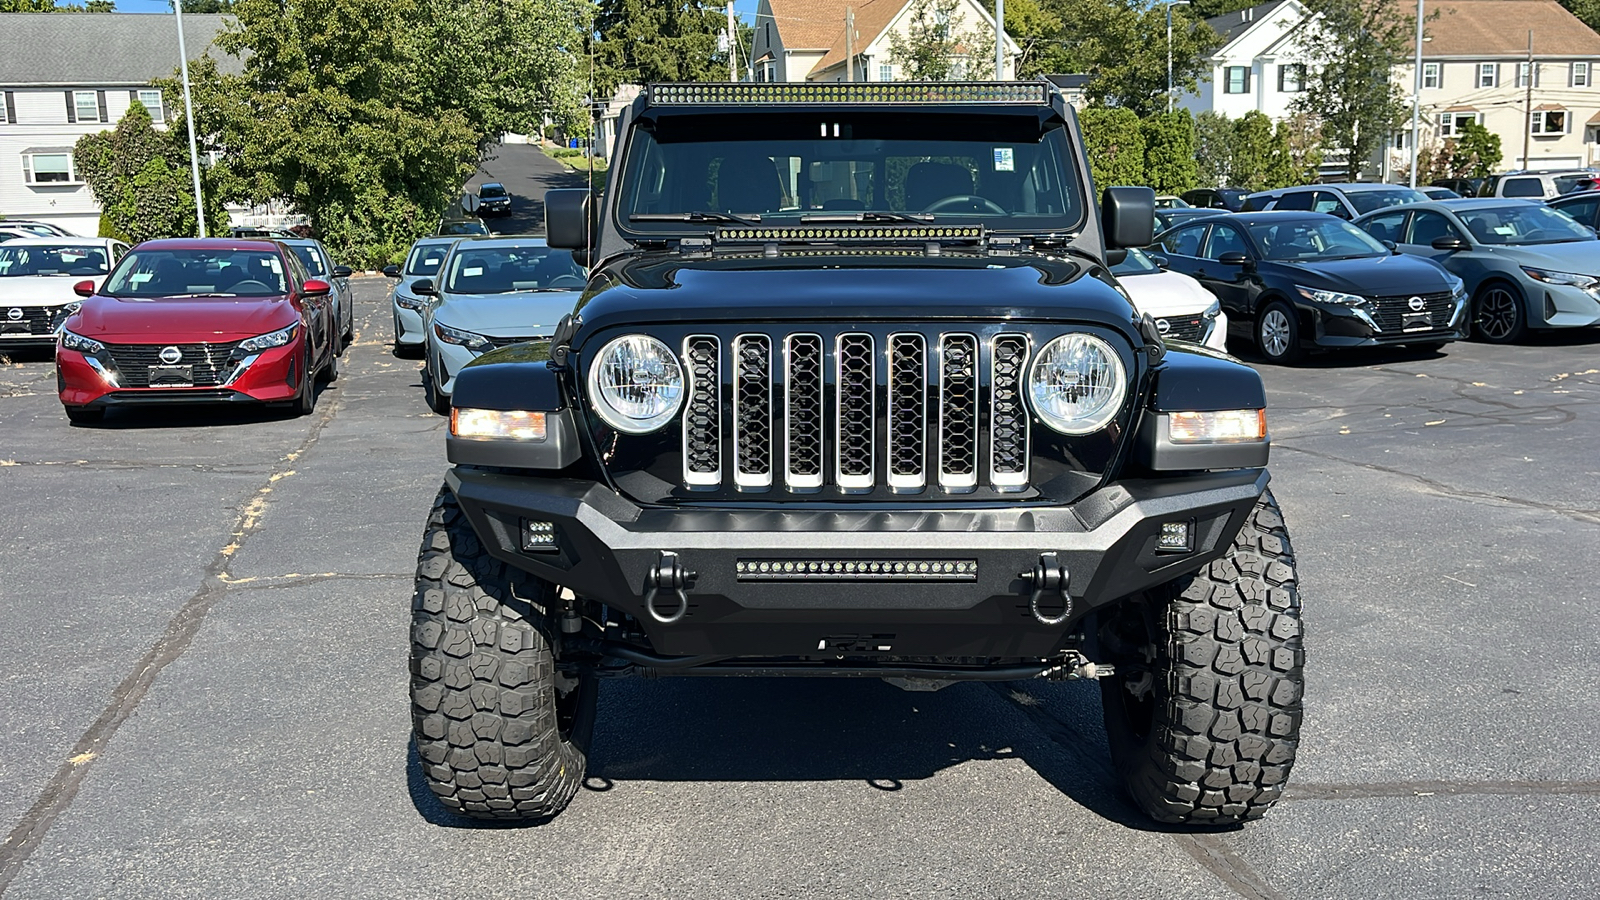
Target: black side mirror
x=1128, y=217
x=342, y=271
x=1160, y=261
x=1233, y=258
x=392, y=271
x=424, y=288
x=566, y=218
x=1450, y=243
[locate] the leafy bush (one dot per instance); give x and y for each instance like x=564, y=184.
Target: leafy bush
x=1115, y=143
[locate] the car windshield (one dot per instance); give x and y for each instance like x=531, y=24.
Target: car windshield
x=503, y=270
x=198, y=273
x=1367, y=201
x=1566, y=184
x=1314, y=239
x=463, y=228
x=1527, y=224
x=788, y=168
x=312, y=260
x=1137, y=262
x=426, y=259
x=491, y=190
x=52, y=259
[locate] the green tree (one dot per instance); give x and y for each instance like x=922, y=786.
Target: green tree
x=1169, y=152
x=1122, y=45
x=1037, y=29
x=95, y=6
x=1213, y=150
x=1475, y=153
x=1587, y=11
x=1252, y=153
x=141, y=179
x=1114, y=141
x=640, y=41
x=936, y=46
x=1301, y=134
x=1205, y=9
x=1355, y=45
x=206, y=6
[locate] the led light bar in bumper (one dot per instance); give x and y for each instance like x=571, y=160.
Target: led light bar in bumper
x=856, y=570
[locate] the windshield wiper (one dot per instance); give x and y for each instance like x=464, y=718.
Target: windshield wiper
x=873, y=216
x=698, y=215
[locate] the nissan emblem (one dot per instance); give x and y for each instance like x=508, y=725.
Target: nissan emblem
x=171, y=355
x=14, y=314
x=1416, y=304
x=1163, y=326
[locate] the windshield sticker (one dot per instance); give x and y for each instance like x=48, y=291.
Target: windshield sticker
x=472, y=271
x=1507, y=230
x=1005, y=159
x=140, y=277
x=431, y=261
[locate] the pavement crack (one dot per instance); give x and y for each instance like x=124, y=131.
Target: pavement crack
x=1396, y=789
x=296, y=579
x=62, y=789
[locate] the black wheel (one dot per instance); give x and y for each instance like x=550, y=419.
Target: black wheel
x=1497, y=314
x=330, y=372
x=430, y=392
x=348, y=337
x=306, y=400
x=1203, y=713
x=80, y=415
x=1278, y=333
x=502, y=734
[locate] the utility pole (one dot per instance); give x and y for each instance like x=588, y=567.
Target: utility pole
x=849, y=43
x=1170, y=5
x=999, y=39
x=188, y=114
x=1527, y=121
x=733, y=46
x=1416, y=100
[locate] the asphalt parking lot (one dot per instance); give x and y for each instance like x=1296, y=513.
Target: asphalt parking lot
x=204, y=683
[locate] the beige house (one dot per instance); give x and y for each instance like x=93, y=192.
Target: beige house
x=1475, y=68
x=805, y=40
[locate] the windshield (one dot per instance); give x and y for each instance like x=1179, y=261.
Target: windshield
x=312, y=260
x=463, y=228
x=53, y=259
x=426, y=258
x=503, y=270
x=1314, y=239
x=198, y=273
x=1367, y=201
x=491, y=190
x=1137, y=262
x=1522, y=225
x=998, y=170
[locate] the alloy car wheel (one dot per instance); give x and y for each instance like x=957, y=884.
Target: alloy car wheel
x=1275, y=334
x=1497, y=315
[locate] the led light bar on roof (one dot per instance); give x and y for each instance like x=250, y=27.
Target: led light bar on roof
x=852, y=234
x=873, y=93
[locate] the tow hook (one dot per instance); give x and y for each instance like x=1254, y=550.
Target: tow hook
x=1049, y=576
x=1074, y=667
x=668, y=574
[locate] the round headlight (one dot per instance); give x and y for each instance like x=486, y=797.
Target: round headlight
x=636, y=384
x=1077, y=383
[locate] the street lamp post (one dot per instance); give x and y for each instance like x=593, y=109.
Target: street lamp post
x=999, y=39
x=1170, y=5
x=1416, y=101
x=188, y=114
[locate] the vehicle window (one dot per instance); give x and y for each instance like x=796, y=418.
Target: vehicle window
x=491, y=190
x=1367, y=201
x=1225, y=239
x=1523, y=224
x=311, y=259
x=503, y=270
x=1328, y=203
x=1185, y=241
x=1297, y=200
x=1522, y=187
x=1315, y=239
x=426, y=258
x=1387, y=227
x=1428, y=226
x=1566, y=184
x=1000, y=171
x=1137, y=262
x=458, y=228
x=1583, y=211
x=1234, y=197
x=53, y=259
x=298, y=270
x=197, y=272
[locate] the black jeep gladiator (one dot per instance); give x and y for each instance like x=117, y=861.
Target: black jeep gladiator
x=851, y=392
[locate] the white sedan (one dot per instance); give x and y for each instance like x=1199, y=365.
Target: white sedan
x=37, y=277
x=1182, y=308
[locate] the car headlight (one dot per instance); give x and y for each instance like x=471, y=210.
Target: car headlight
x=1077, y=383
x=467, y=339
x=498, y=424
x=636, y=384
x=267, y=341
x=1570, y=279
x=406, y=301
x=80, y=343
x=1214, y=310
x=1334, y=297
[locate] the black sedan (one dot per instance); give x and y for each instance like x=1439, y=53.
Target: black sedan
x=494, y=200
x=1296, y=280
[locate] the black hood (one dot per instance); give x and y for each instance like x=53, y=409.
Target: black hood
x=1374, y=276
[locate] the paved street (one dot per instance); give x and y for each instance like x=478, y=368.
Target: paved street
x=204, y=635
x=527, y=173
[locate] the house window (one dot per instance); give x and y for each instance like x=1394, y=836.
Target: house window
x=1431, y=75
x=152, y=102
x=1452, y=124
x=1522, y=75
x=1550, y=121
x=885, y=72
x=1580, y=74
x=1236, y=80
x=1292, y=78
x=86, y=106
x=1488, y=75
x=772, y=71
x=49, y=168
x=958, y=69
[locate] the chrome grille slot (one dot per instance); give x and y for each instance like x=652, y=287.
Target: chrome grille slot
x=209, y=363
x=752, y=411
x=908, y=411
x=958, y=412
x=803, y=404
x=1008, y=417
x=702, y=418
x=856, y=412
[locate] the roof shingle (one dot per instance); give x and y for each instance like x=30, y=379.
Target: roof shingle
x=1490, y=28
x=85, y=49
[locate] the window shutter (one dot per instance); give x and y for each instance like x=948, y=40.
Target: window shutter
x=1282, y=70
x=133, y=97
x=72, y=110
x=11, y=108
x=100, y=100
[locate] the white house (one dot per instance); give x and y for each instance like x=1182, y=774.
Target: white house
x=1261, y=64
x=63, y=76
x=806, y=40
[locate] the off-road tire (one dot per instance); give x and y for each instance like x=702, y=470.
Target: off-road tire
x=79, y=415
x=1212, y=740
x=497, y=740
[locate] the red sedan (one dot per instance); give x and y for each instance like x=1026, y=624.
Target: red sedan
x=198, y=321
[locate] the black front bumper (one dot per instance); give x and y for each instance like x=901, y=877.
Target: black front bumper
x=754, y=591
